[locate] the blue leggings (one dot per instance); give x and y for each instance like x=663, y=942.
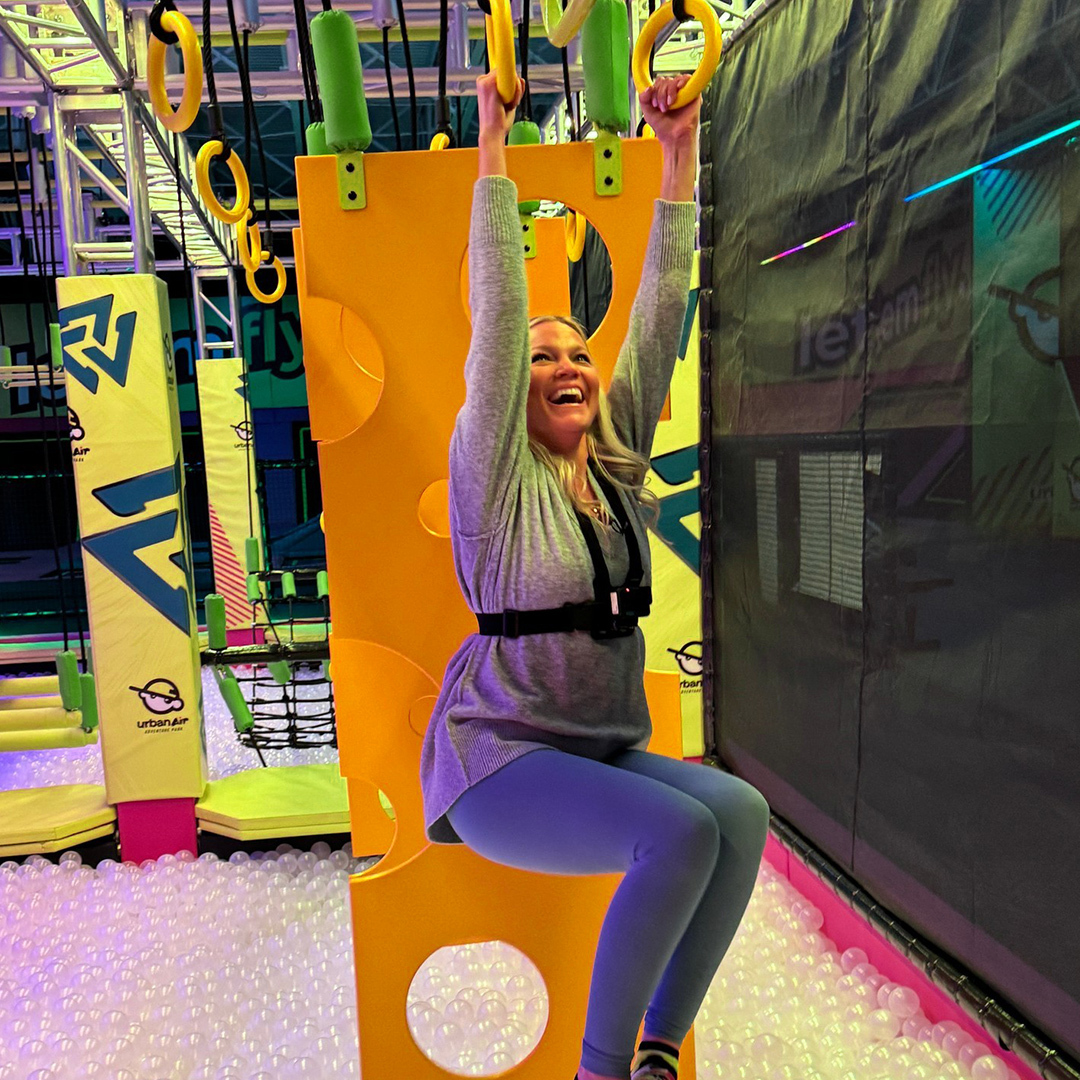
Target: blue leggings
x=689, y=839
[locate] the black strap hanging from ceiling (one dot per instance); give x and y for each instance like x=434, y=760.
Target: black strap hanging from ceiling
x=409, y=70
x=390, y=86
x=307, y=60
x=523, y=48
x=251, y=121
x=442, y=104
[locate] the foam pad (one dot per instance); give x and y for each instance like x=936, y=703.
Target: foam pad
x=315, y=137
x=341, y=81
x=605, y=59
x=295, y=800
x=53, y=818
x=526, y=133
x=216, y=635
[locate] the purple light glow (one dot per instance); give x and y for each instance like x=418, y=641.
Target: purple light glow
x=817, y=239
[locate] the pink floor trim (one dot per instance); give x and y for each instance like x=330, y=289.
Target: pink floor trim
x=155, y=827
x=848, y=929
x=248, y=636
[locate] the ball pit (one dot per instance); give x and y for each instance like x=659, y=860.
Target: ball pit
x=200, y=969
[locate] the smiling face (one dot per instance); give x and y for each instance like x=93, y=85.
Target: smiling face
x=564, y=388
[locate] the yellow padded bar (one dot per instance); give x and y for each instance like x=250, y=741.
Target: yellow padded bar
x=38, y=719
x=40, y=701
x=50, y=739
x=33, y=684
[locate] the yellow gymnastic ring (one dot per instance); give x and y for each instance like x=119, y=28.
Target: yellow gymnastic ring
x=647, y=132
x=499, y=28
x=238, y=211
x=701, y=11
x=279, y=290
x=440, y=141
x=249, y=244
x=574, y=224
x=561, y=26
x=176, y=23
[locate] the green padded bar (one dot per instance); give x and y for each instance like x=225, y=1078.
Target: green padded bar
x=254, y=589
x=5, y=355
x=341, y=81
x=89, y=702
x=252, y=557
x=56, y=349
x=605, y=59
x=234, y=699
x=526, y=133
x=315, y=137
x=281, y=671
x=322, y=585
x=215, y=621
x=288, y=585
x=67, y=671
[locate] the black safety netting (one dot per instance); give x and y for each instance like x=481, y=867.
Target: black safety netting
x=895, y=460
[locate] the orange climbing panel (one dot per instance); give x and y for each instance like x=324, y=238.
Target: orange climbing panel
x=383, y=301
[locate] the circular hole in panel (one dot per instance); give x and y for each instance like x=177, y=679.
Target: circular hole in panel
x=434, y=508
x=556, y=285
x=477, y=1010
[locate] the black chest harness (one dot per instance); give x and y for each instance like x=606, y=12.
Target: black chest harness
x=613, y=613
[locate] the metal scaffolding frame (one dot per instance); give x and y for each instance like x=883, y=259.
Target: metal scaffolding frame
x=78, y=68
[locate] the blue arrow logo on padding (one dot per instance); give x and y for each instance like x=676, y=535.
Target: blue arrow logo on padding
x=115, y=366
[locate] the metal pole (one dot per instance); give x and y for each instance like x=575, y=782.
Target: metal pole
x=68, y=191
x=138, y=197
x=235, y=324
x=200, y=315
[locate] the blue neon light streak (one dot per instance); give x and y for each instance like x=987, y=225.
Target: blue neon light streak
x=993, y=161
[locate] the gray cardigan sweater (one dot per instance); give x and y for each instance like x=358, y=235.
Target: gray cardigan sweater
x=516, y=540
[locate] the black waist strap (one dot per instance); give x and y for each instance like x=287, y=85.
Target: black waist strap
x=615, y=610
x=617, y=618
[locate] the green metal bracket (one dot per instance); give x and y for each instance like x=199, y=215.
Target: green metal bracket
x=528, y=235
x=352, y=195
x=607, y=163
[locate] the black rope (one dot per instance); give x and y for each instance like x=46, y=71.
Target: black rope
x=188, y=291
x=326, y=6
x=50, y=513
x=569, y=96
x=156, y=29
x=390, y=86
x=307, y=60
x=409, y=69
x=67, y=462
x=250, y=119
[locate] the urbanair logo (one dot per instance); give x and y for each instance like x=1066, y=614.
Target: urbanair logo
x=85, y=363
x=243, y=432
x=76, y=434
x=161, y=697
x=690, y=664
x=117, y=549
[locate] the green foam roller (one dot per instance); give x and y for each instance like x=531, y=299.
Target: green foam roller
x=5, y=355
x=526, y=133
x=281, y=671
x=605, y=59
x=254, y=589
x=238, y=708
x=215, y=621
x=288, y=585
x=89, y=702
x=315, y=137
x=322, y=584
x=56, y=348
x=341, y=81
x=252, y=556
x=67, y=670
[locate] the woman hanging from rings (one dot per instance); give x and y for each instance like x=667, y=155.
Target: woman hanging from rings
x=548, y=517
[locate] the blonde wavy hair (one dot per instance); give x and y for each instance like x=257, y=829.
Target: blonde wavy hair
x=625, y=468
